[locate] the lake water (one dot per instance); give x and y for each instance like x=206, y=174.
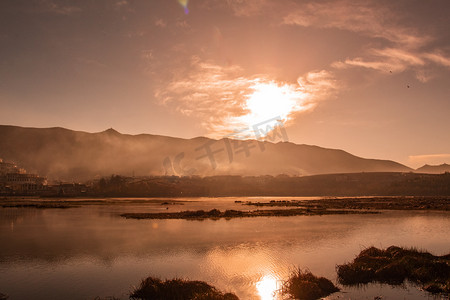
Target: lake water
x=90, y=251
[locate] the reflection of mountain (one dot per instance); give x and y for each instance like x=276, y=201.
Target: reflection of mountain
x=434, y=169
x=65, y=154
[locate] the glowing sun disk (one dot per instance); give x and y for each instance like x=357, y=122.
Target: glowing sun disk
x=266, y=287
x=269, y=100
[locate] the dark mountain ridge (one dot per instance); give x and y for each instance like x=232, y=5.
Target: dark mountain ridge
x=60, y=153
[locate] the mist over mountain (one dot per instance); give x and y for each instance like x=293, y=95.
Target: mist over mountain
x=64, y=154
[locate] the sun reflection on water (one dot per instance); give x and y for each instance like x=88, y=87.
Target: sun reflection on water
x=267, y=287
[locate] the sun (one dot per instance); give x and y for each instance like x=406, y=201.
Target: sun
x=267, y=287
x=269, y=100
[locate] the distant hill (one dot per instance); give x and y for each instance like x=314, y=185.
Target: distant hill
x=348, y=184
x=439, y=169
x=64, y=154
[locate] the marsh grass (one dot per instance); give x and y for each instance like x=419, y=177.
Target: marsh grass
x=303, y=285
x=178, y=289
x=394, y=265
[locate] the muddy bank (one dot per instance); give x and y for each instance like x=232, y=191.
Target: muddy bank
x=380, y=203
x=73, y=203
x=229, y=214
x=39, y=205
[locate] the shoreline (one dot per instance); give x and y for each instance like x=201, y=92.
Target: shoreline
x=380, y=203
x=216, y=214
x=270, y=207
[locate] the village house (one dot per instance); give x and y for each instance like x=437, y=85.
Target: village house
x=16, y=181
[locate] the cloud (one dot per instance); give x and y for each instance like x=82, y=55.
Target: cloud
x=147, y=55
x=403, y=46
x=396, y=60
x=120, y=3
x=364, y=17
x=424, y=75
x=60, y=9
x=399, y=55
x=208, y=91
x=438, y=58
x=398, y=47
x=160, y=23
x=220, y=96
x=182, y=24
x=90, y=62
x=223, y=98
x=388, y=59
x=318, y=85
x=248, y=7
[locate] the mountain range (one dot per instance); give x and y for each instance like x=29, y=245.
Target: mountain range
x=439, y=169
x=64, y=154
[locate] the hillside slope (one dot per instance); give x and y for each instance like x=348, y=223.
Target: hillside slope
x=60, y=153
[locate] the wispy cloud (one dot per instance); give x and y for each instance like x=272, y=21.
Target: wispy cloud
x=90, y=62
x=318, y=86
x=248, y=7
x=364, y=17
x=223, y=97
x=160, y=23
x=438, y=58
x=388, y=59
x=397, y=60
x=210, y=92
x=59, y=8
x=403, y=46
x=120, y=3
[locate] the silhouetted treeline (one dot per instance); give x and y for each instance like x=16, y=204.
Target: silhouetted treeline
x=354, y=184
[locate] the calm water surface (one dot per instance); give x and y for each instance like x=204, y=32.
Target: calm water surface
x=90, y=251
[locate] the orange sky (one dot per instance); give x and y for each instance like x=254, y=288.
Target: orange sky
x=369, y=77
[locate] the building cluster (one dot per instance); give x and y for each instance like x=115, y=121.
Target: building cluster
x=16, y=181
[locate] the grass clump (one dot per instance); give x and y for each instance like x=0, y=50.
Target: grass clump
x=394, y=265
x=178, y=289
x=303, y=285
